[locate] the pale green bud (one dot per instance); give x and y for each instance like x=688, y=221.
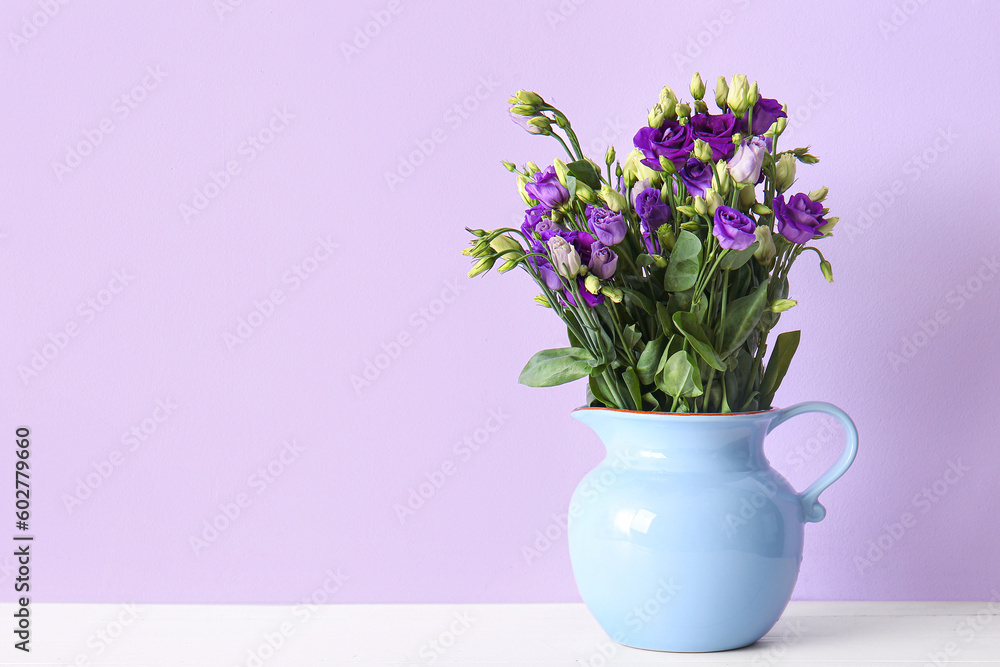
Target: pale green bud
x=765, y=251
x=697, y=86
x=609, y=156
x=615, y=201
x=752, y=95
x=827, y=270
x=593, y=284
x=714, y=200
x=509, y=265
x=723, y=181
x=682, y=110
x=634, y=169
x=543, y=300
x=667, y=165
x=660, y=261
x=702, y=150
x=482, y=266
x=721, y=92
x=700, y=206
x=691, y=226
x=760, y=209
x=504, y=243
x=685, y=210
x=736, y=97
x=667, y=238
x=700, y=106
x=532, y=168
x=781, y=305
x=542, y=123
x=667, y=97
x=528, y=97
x=827, y=228
x=613, y=293
x=819, y=194
x=522, y=110
x=655, y=117
x=509, y=166
x=748, y=197
x=585, y=193
x=784, y=172
x=521, y=182
x=562, y=171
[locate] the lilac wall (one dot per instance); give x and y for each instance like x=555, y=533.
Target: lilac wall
x=235, y=162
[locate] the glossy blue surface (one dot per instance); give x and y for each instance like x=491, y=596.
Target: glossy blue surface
x=684, y=538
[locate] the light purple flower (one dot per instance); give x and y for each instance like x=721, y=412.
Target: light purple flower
x=609, y=227
x=746, y=164
x=733, y=229
x=547, y=189
x=603, y=261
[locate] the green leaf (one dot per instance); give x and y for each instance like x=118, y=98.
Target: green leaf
x=734, y=260
x=649, y=360
x=742, y=316
x=631, y=336
x=681, y=376
x=571, y=186
x=698, y=336
x=599, y=389
x=634, y=390
x=549, y=368
x=639, y=299
x=685, y=261
x=663, y=315
x=784, y=349
x=585, y=172
x=651, y=401
x=737, y=379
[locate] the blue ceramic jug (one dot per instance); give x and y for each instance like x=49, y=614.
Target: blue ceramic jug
x=684, y=538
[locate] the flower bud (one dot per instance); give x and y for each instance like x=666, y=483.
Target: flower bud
x=748, y=197
x=760, y=209
x=781, y=305
x=564, y=257
x=713, y=199
x=765, y=251
x=827, y=229
x=543, y=301
x=609, y=156
x=532, y=168
x=737, y=95
x=827, y=270
x=529, y=98
x=752, y=95
x=667, y=239
x=723, y=180
x=784, y=172
x=521, y=182
x=522, y=110
x=613, y=293
x=562, y=171
x=509, y=166
x=700, y=206
x=585, y=193
x=540, y=123
x=655, y=117
x=697, y=86
x=819, y=194
x=682, y=110
x=615, y=201
x=503, y=243
x=667, y=98
x=721, y=93
x=667, y=165
x=482, y=266
x=660, y=261
x=700, y=106
x=702, y=150
x=593, y=284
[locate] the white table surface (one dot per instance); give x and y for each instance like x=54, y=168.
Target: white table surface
x=809, y=633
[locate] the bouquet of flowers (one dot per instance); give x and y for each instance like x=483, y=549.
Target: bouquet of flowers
x=669, y=268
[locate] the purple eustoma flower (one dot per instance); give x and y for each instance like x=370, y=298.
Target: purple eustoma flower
x=746, y=164
x=765, y=112
x=733, y=229
x=609, y=227
x=697, y=176
x=716, y=131
x=603, y=261
x=547, y=189
x=671, y=140
x=799, y=219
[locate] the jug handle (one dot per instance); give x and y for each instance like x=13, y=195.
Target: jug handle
x=812, y=511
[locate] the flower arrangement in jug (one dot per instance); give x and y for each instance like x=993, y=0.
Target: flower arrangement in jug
x=669, y=268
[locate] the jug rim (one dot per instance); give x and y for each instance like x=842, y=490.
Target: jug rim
x=585, y=408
